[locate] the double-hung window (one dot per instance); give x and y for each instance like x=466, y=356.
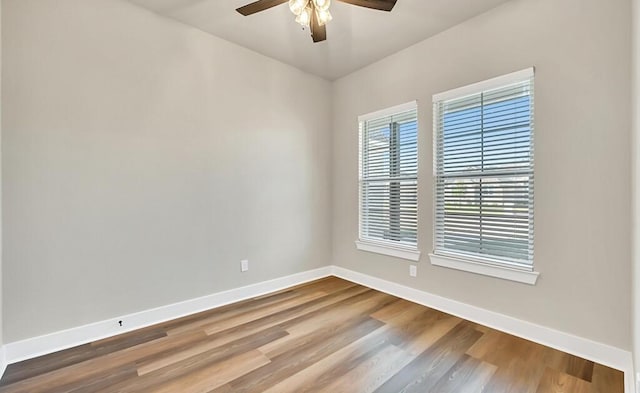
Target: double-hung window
x=388, y=182
x=483, y=174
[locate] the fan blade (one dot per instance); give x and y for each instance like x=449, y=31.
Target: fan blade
x=382, y=5
x=318, y=33
x=258, y=6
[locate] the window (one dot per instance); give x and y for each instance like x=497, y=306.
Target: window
x=483, y=168
x=389, y=182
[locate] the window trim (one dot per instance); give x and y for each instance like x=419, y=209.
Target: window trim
x=488, y=84
x=408, y=106
x=403, y=251
x=484, y=268
x=478, y=264
x=386, y=249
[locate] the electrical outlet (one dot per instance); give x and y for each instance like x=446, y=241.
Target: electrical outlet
x=244, y=265
x=413, y=270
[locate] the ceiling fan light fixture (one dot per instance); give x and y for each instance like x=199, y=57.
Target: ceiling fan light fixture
x=322, y=5
x=298, y=6
x=313, y=14
x=304, y=18
x=324, y=16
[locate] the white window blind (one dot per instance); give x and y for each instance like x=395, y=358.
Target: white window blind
x=483, y=152
x=389, y=177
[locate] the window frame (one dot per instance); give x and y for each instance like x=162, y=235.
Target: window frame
x=479, y=264
x=398, y=250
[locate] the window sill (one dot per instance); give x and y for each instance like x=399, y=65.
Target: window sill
x=505, y=273
x=412, y=255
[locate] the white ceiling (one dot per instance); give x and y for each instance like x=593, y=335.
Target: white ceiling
x=355, y=38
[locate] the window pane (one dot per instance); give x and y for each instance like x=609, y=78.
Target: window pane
x=388, y=179
x=484, y=174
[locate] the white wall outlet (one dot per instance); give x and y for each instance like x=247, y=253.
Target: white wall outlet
x=244, y=265
x=413, y=270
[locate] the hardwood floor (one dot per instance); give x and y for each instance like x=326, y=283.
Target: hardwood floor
x=326, y=336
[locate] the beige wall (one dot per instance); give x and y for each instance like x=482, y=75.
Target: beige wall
x=580, y=49
x=635, y=147
x=144, y=159
x=1, y=252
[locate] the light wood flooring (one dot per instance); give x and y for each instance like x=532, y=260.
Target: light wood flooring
x=326, y=336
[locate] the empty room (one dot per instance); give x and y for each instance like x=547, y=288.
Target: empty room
x=286, y=196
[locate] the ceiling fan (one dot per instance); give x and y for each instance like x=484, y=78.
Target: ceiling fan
x=314, y=13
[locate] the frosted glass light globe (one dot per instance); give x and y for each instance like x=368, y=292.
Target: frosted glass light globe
x=297, y=6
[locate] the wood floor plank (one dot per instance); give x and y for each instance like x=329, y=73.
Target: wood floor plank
x=216, y=323
x=578, y=367
x=421, y=333
x=299, y=311
x=290, y=317
x=301, y=328
x=211, y=343
x=325, y=285
x=519, y=374
x=215, y=375
x=426, y=370
x=468, y=375
x=487, y=345
x=33, y=367
x=554, y=381
x=323, y=373
x=398, y=311
x=163, y=376
x=278, y=315
x=329, y=335
x=51, y=362
x=328, y=285
x=296, y=359
x=606, y=379
x=370, y=374
x=229, y=309
x=93, y=367
x=196, y=321
x=99, y=383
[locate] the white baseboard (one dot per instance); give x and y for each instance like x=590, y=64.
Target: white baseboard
x=3, y=360
x=42, y=345
x=597, y=352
